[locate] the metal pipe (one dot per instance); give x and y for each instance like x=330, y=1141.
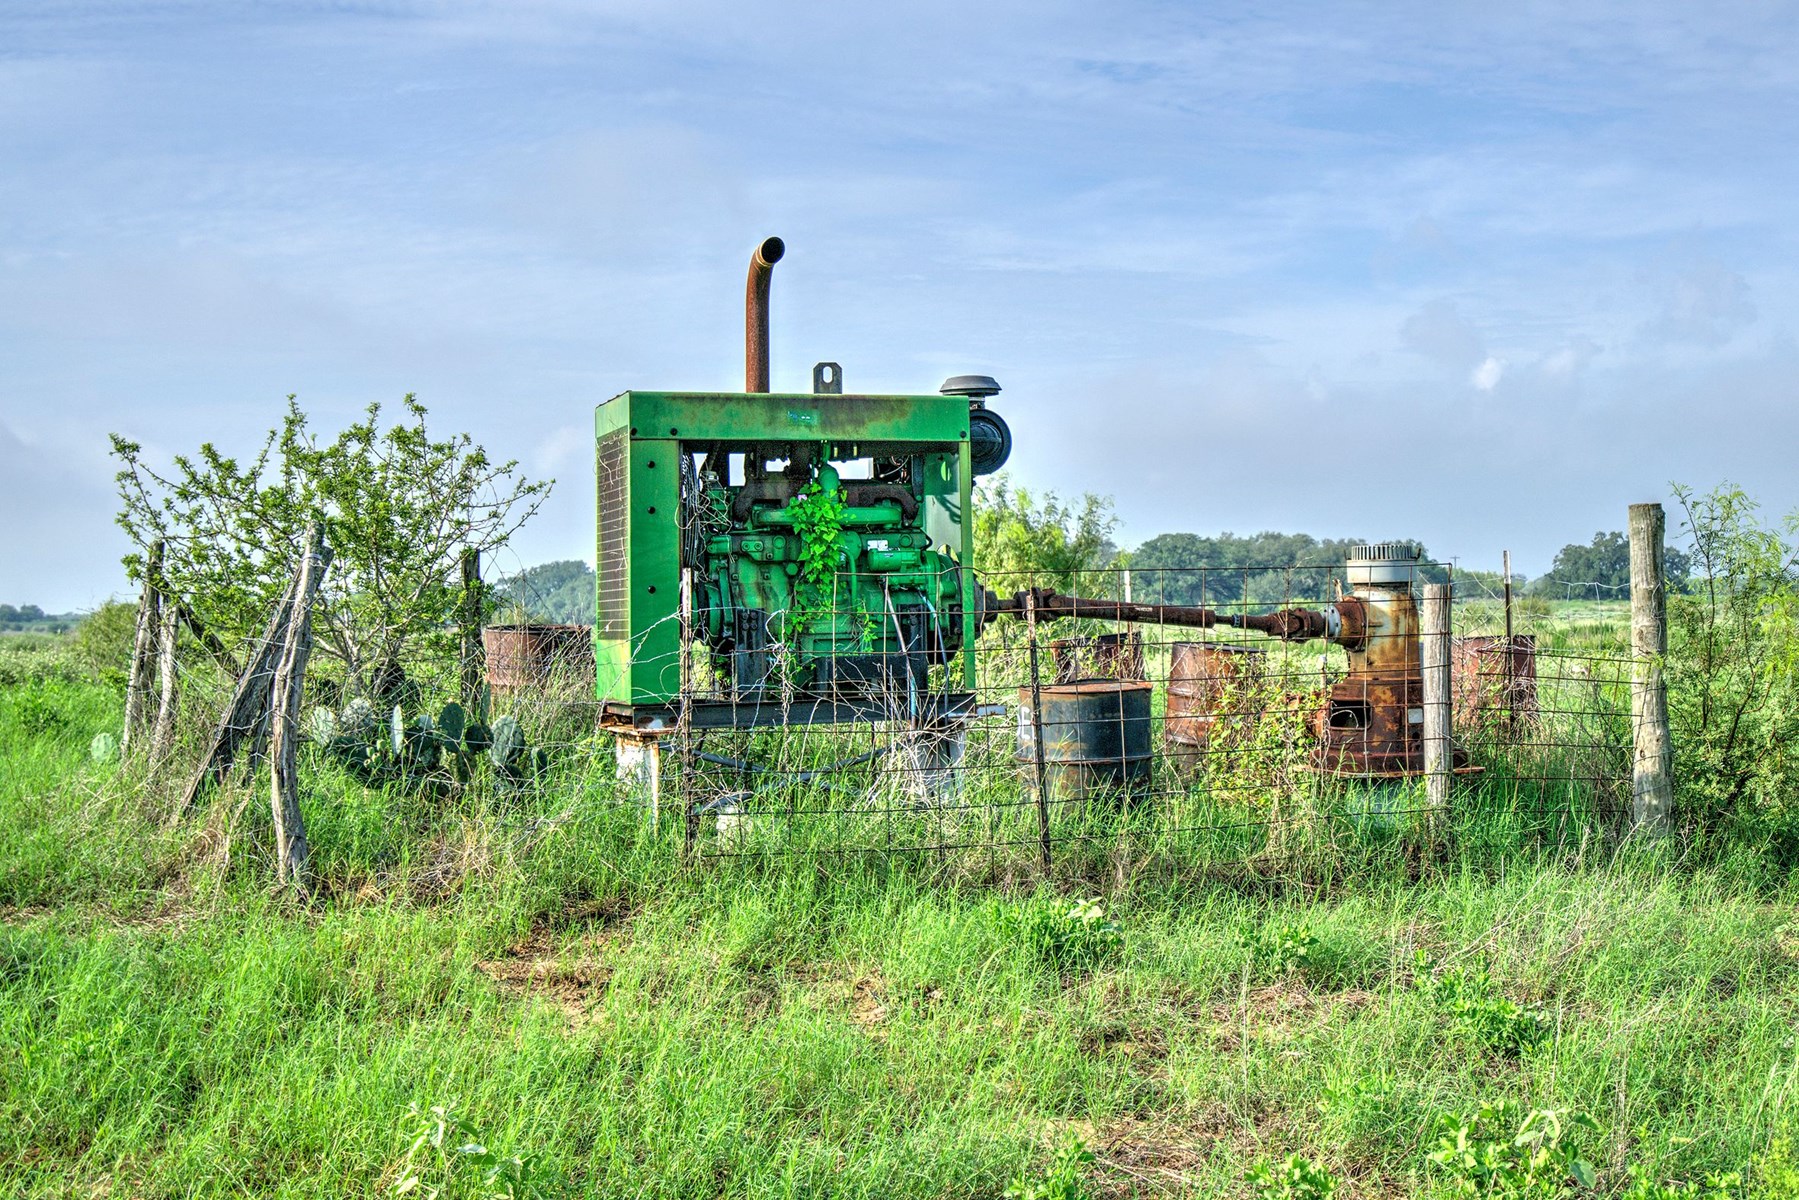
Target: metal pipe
x=1289, y=624
x=755, y=328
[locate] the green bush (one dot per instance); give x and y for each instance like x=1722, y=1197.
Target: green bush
x=1733, y=667
x=103, y=641
x=1482, y=1015
x=29, y=658
x=1495, y=1153
x=1294, y=1177
x=1062, y=1179
x=1279, y=949
x=1067, y=936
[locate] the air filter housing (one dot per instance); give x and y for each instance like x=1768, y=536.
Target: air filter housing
x=1383, y=565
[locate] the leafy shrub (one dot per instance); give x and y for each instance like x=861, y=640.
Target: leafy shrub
x=1060, y=1181
x=445, y=1159
x=1355, y=1101
x=1495, y=1153
x=104, y=640
x=1481, y=1014
x=1276, y=950
x=398, y=508
x=1733, y=661
x=1069, y=937
x=31, y=658
x=1294, y=1177
x=48, y=708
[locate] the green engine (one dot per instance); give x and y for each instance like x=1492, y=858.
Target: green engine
x=832, y=587
x=755, y=548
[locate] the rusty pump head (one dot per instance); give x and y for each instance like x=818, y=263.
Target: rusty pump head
x=1372, y=722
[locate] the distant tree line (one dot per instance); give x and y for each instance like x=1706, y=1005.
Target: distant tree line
x=30, y=618
x=1260, y=569
x=554, y=593
x=1600, y=570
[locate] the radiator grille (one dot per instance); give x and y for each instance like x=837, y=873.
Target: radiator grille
x=611, y=467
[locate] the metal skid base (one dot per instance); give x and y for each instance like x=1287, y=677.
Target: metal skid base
x=651, y=719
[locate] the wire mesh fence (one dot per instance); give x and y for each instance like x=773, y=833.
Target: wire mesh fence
x=1204, y=739
x=1262, y=709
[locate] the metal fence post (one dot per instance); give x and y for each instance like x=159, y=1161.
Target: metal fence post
x=1433, y=650
x=1652, y=768
x=1030, y=621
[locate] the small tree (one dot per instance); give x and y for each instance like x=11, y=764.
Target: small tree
x=397, y=508
x=1022, y=541
x=1733, y=660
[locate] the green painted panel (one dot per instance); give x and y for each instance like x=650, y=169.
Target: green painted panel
x=777, y=416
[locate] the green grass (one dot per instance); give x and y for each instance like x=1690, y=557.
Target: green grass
x=835, y=1025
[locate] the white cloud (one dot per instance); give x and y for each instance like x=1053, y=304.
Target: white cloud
x=1486, y=376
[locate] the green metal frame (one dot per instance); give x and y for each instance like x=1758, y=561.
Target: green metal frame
x=638, y=647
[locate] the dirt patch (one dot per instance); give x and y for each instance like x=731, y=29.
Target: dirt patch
x=1141, y=1044
x=15, y=915
x=572, y=978
x=1164, y=1155
x=868, y=1003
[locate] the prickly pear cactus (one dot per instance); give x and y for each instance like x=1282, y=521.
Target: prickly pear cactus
x=420, y=749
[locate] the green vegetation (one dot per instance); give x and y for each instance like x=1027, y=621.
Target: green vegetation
x=522, y=992
x=1023, y=539
x=510, y=982
x=1265, y=569
x=1600, y=570
x=397, y=508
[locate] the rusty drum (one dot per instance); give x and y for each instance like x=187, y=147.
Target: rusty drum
x=1096, y=737
x=1205, y=685
x=523, y=657
x=1107, y=656
x=1493, y=682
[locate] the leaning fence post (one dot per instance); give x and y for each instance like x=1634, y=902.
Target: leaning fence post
x=168, y=637
x=143, y=648
x=1433, y=647
x=1652, y=770
x=291, y=851
x=471, y=657
x=1030, y=623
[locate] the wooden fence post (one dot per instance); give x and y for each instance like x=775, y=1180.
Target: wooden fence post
x=291, y=851
x=168, y=636
x=472, y=656
x=245, y=710
x=1433, y=646
x=1652, y=770
x=143, y=648
x=1030, y=621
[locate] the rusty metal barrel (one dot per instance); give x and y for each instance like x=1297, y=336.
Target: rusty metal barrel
x=1493, y=682
x=522, y=657
x=1201, y=680
x=1096, y=737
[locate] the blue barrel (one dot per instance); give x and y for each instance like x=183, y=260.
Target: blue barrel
x=1096, y=737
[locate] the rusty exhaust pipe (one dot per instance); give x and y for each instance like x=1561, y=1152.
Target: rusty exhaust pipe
x=755, y=325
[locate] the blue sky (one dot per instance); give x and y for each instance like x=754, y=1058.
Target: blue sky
x=1481, y=275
